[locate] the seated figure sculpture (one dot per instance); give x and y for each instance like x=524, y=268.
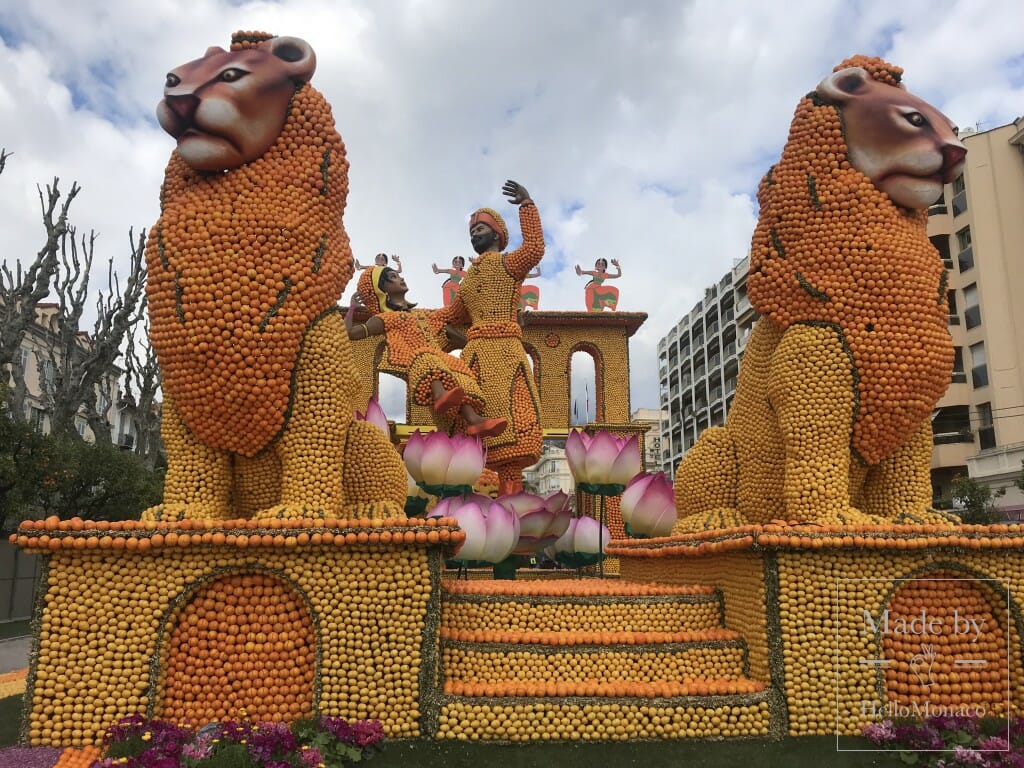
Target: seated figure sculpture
x=246, y=264
x=831, y=419
x=434, y=378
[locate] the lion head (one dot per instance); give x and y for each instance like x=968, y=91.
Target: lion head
x=903, y=144
x=228, y=107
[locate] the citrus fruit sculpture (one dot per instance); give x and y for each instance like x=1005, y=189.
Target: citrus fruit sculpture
x=246, y=264
x=830, y=422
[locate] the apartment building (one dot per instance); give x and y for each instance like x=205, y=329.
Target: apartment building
x=551, y=473
x=41, y=370
x=978, y=228
x=654, y=419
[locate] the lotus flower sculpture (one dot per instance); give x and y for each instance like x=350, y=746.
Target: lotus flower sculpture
x=648, y=506
x=492, y=531
x=375, y=415
x=542, y=520
x=444, y=465
x=582, y=543
x=602, y=463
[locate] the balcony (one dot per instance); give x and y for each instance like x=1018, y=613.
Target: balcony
x=958, y=436
x=954, y=320
x=937, y=209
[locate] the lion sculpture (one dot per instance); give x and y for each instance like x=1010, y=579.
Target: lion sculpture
x=831, y=419
x=246, y=264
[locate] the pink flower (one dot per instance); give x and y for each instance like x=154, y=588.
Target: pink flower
x=648, y=505
x=584, y=535
x=542, y=520
x=491, y=530
x=375, y=415
x=436, y=459
x=602, y=459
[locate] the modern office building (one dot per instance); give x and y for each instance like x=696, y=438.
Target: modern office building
x=978, y=229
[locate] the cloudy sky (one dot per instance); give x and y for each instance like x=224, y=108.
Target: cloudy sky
x=640, y=127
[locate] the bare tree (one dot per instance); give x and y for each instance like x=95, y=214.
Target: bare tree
x=142, y=384
x=85, y=363
x=22, y=290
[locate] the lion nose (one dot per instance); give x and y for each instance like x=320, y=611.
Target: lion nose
x=953, y=158
x=183, y=106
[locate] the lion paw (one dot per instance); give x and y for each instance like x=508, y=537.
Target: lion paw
x=292, y=512
x=176, y=512
x=849, y=516
x=928, y=516
x=712, y=520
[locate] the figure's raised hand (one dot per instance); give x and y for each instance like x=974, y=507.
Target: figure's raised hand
x=578, y=270
x=515, y=192
x=395, y=258
x=615, y=262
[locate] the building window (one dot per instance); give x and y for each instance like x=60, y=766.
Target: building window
x=959, y=374
x=48, y=377
x=959, y=195
x=941, y=244
x=979, y=365
x=954, y=318
x=986, y=429
x=965, y=258
x=37, y=419
x=972, y=309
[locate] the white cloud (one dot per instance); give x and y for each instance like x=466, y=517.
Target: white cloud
x=641, y=128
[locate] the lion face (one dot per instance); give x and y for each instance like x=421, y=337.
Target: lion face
x=227, y=108
x=904, y=145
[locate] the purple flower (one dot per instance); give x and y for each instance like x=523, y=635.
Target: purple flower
x=994, y=744
x=967, y=756
x=881, y=732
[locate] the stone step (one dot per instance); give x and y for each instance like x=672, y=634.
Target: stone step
x=613, y=718
x=633, y=656
x=572, y=605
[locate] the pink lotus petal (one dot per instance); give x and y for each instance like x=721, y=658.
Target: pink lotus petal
x=604, y=450
x=631, y=497
x=655, y=514
x=413, y=454
x=565, y=542
x=467, y=460
x=437, y=456
x=535, y=523
x=502, y=533
x=471, y=520
x=576, y=454
x=590, y=536
x=561, y=504
x=375, y=415
x=627, y=464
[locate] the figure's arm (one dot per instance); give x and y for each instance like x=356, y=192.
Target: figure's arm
x=618, y=270
x=398, y=263
x=527, y=256
x=534, y=273
x=374, y=326
x=589, y=273
x=359, y=266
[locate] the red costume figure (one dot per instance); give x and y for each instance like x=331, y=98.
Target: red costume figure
x=529, y=295
x=450, y=287
x=600, y=296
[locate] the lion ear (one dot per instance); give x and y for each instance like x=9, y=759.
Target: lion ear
x=297, y=54
x=841, y=86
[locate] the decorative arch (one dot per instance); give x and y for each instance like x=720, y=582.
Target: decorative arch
x=599, y=374
x=535, y=357
x=924, y=668
x=240, y=638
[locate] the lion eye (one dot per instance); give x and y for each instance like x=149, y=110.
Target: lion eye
x=232, y=74
x=172, y=80
x=916, y=119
